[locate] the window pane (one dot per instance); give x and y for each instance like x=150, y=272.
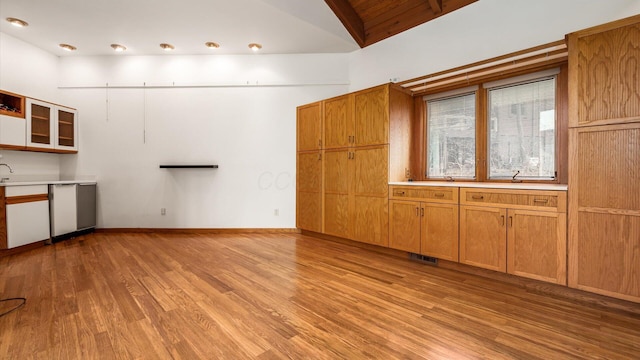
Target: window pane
x=451, y=137
x=522, y=130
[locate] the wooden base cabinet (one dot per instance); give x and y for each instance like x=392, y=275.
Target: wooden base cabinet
x=521, y=232
x=429, y=226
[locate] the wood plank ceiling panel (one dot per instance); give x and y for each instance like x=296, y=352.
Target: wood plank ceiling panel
x=370, y=21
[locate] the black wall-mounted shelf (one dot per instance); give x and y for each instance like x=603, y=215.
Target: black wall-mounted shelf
x=188, y=166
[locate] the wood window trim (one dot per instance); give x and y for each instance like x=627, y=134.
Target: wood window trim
x=418, y=162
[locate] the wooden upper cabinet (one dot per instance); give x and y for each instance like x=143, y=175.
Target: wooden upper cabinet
x=309, y=122
x=338, y=124
x=371, y=118
x=603, y=74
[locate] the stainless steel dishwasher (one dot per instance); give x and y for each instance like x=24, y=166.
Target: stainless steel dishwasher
x=86, y=206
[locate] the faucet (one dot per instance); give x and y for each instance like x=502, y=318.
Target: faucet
x=3, y=179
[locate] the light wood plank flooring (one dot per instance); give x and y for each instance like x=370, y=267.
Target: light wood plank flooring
x=278, y=296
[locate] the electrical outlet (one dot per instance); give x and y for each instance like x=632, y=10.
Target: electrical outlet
x=276, y=212
x=163, y=211
x=407, y=173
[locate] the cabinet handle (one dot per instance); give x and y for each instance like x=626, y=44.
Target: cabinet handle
x=319, y=156
x=511, y=221
x=398, y=193
x=477, y=197
x=319, y=142
x=502, y=218
x=422, y=212
x=417, y=211
x=542, y=201
x=438, y=194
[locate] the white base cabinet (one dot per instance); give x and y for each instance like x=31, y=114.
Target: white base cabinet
x=63, y=209
x=27, y=214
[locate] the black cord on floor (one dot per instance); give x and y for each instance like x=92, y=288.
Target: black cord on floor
x=24, y=301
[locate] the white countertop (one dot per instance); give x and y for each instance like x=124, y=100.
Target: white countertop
x=488, y=185
x=46, y=182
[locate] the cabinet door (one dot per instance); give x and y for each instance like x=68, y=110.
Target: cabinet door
x=536, y=245
x=12, y=131
x=404, y=225
x=440, y=231
x=27, y=223
x=309, y=191
x=338, y=122
x=371, y=116
x=67, y=129
x=604, y=66
x=63, y=209
x=337, y=175
x=309, y=211
x=371, y=171
x=483, y=240
x=371, y=220
x=309, y=122
x=40, y=124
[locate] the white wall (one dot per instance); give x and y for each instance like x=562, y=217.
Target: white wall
x=126, y=131
x=480, y=31
x=129, y=129
x=29, y=71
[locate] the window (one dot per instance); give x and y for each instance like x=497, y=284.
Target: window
x=451, y=136
x=512, y=132
x=522, y=132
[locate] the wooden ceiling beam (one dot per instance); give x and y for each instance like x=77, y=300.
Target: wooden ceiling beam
x=349, y=18
x=436, y=6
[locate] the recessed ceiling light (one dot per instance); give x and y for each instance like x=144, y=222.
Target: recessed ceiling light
x=17, y=22
x=118, y=47
x=212, y=45
x=255, y=46
x=68, y=47
x=167, y=47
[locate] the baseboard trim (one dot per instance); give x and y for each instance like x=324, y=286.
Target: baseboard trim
x=201, y=230
x=23, y=248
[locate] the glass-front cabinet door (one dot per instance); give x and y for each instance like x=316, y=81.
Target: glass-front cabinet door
x=40, y=120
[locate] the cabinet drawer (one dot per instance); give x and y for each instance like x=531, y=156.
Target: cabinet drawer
x=524, y=199
x=436, y=194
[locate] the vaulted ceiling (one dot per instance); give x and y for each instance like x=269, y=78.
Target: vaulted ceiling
x=369, y=21
x=281, y=26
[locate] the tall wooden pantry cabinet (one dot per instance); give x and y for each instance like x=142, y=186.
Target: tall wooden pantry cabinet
x=364, y=144
x=604, y=159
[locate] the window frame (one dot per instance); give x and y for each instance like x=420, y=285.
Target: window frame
x=482, y=129
x=512, y=82
x=468, y=90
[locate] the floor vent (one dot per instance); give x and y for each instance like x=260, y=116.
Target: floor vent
x=424, y=259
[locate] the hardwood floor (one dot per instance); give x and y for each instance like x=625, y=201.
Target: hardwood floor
x=277, y=296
